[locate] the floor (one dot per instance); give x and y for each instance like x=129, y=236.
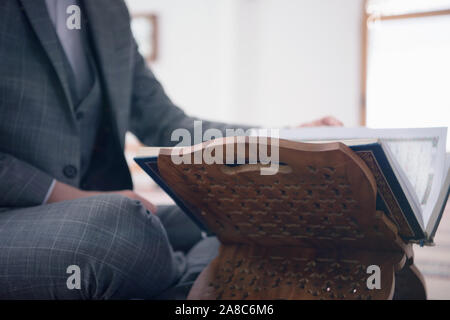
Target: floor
x=433, y=262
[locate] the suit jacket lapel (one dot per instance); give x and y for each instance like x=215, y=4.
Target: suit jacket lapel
x=36, y=12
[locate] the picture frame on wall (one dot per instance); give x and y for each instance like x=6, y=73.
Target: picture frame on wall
x=145, y=31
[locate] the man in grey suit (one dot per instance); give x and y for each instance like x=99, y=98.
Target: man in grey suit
x=67, y=98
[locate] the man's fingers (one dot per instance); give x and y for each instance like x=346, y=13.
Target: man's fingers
x=332, y=121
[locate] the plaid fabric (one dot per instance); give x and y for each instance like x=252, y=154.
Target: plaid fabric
x=122, y=250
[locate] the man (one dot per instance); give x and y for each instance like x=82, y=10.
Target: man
x=70, y=226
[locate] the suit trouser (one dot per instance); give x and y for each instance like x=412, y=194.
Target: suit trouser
x=110, y=245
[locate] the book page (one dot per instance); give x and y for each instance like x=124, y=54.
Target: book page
x=417, y=158
x=422, y=159
x=439, y=207
x=420, y=153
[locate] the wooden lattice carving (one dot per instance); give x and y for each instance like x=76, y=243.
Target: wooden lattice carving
x=308, y=231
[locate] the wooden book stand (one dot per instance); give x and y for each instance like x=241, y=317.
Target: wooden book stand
x=308, y=232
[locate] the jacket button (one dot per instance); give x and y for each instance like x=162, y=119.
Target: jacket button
x=70, y=171
x=79, y=115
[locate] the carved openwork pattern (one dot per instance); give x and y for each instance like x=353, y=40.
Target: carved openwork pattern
x=321, y=278
x=325, y=199
x=322, y=203
x=314, y=206
x=254, y=273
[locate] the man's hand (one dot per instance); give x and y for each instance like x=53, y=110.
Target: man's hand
x=63, y=192
x=325, y=121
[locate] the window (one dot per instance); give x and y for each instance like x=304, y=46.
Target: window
x=407, y=63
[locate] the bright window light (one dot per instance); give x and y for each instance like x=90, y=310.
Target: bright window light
x=408, y=72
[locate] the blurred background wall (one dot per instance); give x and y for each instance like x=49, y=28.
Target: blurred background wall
x=262, y=62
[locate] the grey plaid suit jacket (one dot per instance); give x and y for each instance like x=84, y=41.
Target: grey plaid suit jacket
x=39, y=134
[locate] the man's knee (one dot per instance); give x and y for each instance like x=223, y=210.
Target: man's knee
x=124, y=250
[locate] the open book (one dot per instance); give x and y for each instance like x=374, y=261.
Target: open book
x=410, y=167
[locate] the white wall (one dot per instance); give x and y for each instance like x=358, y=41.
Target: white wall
x=264, y=62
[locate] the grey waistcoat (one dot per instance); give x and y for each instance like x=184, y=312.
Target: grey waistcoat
x=89, y=112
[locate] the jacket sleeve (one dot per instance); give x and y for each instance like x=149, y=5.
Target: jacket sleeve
x=22, y=185
x=153, y=116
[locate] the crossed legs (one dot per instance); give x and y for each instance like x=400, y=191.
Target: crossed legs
x=122, y=250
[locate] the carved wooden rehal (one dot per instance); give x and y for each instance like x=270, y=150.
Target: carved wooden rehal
x=307, y=232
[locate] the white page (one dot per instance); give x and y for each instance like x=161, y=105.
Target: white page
x=440, y=203
x=418, y=151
